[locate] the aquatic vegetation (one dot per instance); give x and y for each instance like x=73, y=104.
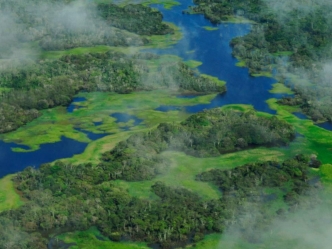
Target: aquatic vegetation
x=9, y=198
x=156, y=176
x=57, y=122
x=281, y=88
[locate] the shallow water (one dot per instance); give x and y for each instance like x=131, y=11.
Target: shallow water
x=73, y=104
x=124, y=118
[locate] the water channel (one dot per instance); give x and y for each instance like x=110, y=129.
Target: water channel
x=210, y=47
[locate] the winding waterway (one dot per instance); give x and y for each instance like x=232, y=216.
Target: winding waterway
x=213, y=50
x=210, y=47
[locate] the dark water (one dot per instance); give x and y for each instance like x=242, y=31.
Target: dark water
x=73, y=106
x=326, y=126
x=91, y=135
x=166, y=108
x=300, y=115
x=210, y=47
x=12, y=162
x=189, y=96
x=97, y=123
x=213, y=50
x=124, y=118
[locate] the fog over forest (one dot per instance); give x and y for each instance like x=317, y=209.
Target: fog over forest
x=67, y=198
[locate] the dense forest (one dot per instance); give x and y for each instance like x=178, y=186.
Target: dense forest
x=50, y=83
x=300, y=29
x=63, y=197
x=58, y=25
x=209, y=133
x=28, y=84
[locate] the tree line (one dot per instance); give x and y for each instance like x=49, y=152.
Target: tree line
x=59, y=25
x=303, y=33
x=209, y=133
x=50, y=83
x=64, y=197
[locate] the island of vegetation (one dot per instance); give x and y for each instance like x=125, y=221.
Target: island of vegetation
x=51, y=83
x=64, y=197
x=173, y=180
x=290, y=40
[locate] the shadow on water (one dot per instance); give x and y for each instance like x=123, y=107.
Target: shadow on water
x=188, y=96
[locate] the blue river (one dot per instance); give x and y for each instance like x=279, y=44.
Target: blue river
x=213, y=50
x=210, y=47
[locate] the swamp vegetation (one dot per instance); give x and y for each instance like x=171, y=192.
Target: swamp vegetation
x=290, y=40
x=56, y=200
x=172, y=180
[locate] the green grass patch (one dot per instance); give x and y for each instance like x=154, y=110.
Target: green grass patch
x=184, y=169
x=168, y=4
x=317, y=140
x=88, y=240
x=241, y=63
x=215, y=79
x=326, y=172
x=280, y=88
x=9, y=198
x=4, y=89
x=209, y=28
x=164, y=41
x=214, y=241
x=76, y=51
x=57, y=122
x=238, y=107
x=262, y=74
x=193, y=63
x=237, y=19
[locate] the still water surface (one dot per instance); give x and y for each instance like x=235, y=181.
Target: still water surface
x=210, y=47
x=213, y=50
